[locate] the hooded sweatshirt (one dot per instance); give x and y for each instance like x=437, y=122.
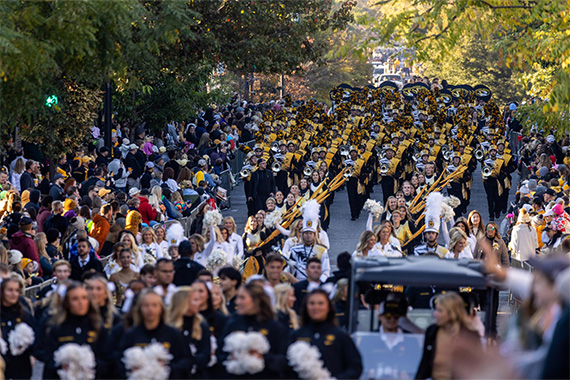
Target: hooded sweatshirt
x=34, y=199
x=24, y=243
x=101, y=227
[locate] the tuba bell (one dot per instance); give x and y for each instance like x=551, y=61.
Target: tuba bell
x=275, y=146
x=486, y=171
x=276, y=167
x=479, y=154
x=244, y=173
x=307, y=171
x=384, y=168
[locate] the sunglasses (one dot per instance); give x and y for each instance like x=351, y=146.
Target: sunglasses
x=490, y=228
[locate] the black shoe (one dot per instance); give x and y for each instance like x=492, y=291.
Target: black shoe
x=353, y=218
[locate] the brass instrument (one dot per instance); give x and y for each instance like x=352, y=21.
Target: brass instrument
x=245, y=161
x=349, y=172
x=447, y=155
x=344, y=150
x=486, y=171
x=384, y=168
x=276, y=167
x=275, y=146
x=444, y=150
x=417, y=157
x=307, y=171
x=479, y=154
x=244, y=173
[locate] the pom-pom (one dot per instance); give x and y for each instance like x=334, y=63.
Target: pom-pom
x=306, y=361
x=273, y=219
x=216, y=260
x=373, y=207
x=246, y=352
x=3, y=347
x=149, y=363
x=20, y=338
x=212, y=218
x=77, y=362
x=447, y=212
x=452, y=201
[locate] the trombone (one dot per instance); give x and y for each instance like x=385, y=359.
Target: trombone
x=349, y=172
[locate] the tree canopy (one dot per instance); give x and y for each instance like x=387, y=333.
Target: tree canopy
x=530, y=37
x=159, y=55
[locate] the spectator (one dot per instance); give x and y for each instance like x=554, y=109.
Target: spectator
x=23, y=241
x=85, y=261
x=102, y=225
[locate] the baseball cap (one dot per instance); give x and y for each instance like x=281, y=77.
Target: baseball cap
x=14, y=256
x=550, y=139
x=145, y=192
x=58, y=176
x=201, y=162
x=133, y=191
x=150, y=165
x=103, y=192
x=550, y=192
x=133, y=146
x=389, y=308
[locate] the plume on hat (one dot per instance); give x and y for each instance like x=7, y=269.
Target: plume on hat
x=311, y=209
x=175, y=234
x=434, y=203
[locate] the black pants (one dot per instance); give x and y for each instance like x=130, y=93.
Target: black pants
x=353, y=197
x=387, y=188
x=493, y=201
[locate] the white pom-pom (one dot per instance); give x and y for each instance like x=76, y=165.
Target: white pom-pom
x=212, y=218
x=246, y=352
x=447, y=212
x=216, y=260
x=20, y=338
x=3, y=346
x=273, y=219
x=373, y=207
x=78, y=362
x=305, y=360
x=452, y=201
x=149, y=363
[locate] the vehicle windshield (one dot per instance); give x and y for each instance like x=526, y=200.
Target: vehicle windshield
x=392, y=77
x=378, y=71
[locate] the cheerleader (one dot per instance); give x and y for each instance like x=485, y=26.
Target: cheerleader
x=149, y=248
x=388, y=244
x=255, y=313
x=130, y=242
x=160, y=233
x=366, y=246
x=197, y=242
x=284, y=303
x=338, y=352
x=184, y=315
x=215, y=242
x=149, y=326
x=252, y=236
x=99, y=292
x=236, y=242
x=76, y=320
x=123, y=278
x=402, y=230
x=14, y=314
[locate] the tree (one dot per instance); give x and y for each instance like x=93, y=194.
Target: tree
x=527, y=33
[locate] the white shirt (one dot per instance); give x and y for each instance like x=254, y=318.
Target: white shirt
x=389, y=250
x=236, y=245
x=465, y=254
x=373, y=252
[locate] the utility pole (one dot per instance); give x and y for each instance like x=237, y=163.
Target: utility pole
x=107, y=111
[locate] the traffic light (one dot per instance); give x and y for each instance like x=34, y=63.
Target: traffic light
x=51, y=101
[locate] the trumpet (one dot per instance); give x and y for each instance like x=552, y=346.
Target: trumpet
x=244, y=173
x=276, y=167
x=307, y=171
x=384, y=168
x=344, y=150
x=486, y=171
x=479, y=154
x=275, y=146
x=349, y=172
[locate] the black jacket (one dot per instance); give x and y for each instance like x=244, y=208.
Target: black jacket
x=275, y=359
x=181, y=363
x=338, y=352
x=132, y=163
x=201, y=348
x=186, y=271
x=94, y=265
x=263, y=182
x=75, y=330
x=556, y=365
x=17, y=367
x=26, y=181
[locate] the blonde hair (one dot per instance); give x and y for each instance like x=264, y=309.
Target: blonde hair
x=134, y=247
x=223, y=309
x=108, y=318
x=341, y=285
x=231, y=219
x=179, y=307
x=363, y=242
x=199, y=239
x=453, y=304
x=20, y=165
x=153, y=234
x=294, y=227
x=281, y=299
x=455, y=236
x=41, y=242
x=247, y=225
